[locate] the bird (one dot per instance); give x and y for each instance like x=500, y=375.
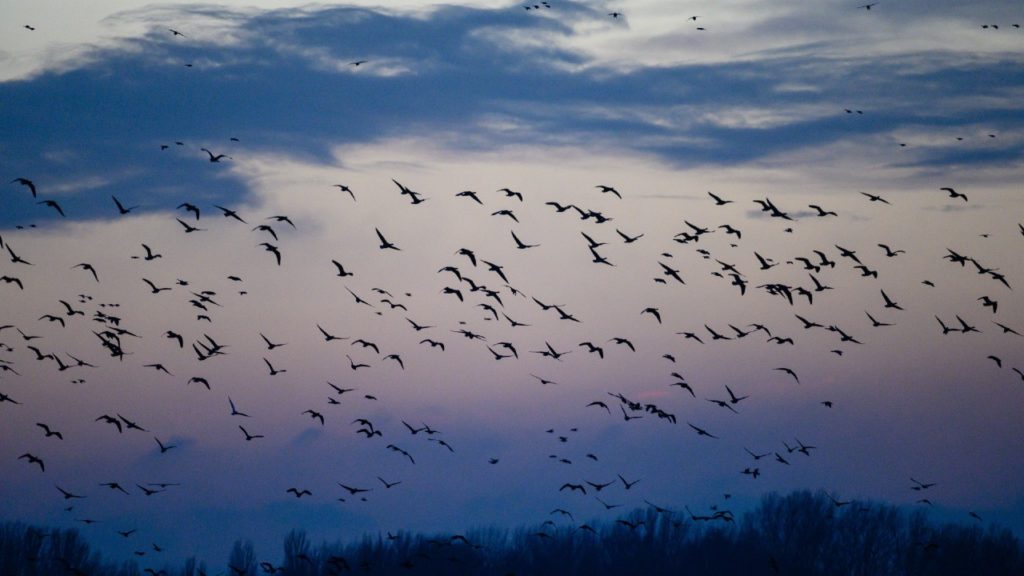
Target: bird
x=190, y=208
x=215, y=158
x=228, y=213
x=50, y=432
x=789, y=371
x=53, y=204
x=328, y=337
x=415, y=197
x=249, y=437
x=384, y=244
x=890, y=303
x=953, y=194
x=593, y=350
x=733, y=399
x=609, y=190
x=875, y=198
x=719, y=201
x=120, y=207
x=352, y=490
x=627, y=238
x=989, y=303
x=32, y=459
x=273, y=250
x=299, y=493
x=573, y=488
x=353, y=365
x=505, y=212
x=188, y=227
x=366, y=344
x=234, y=411
x=164, y=447
x=512, y=194
x=345, y=188
x=154, y=288
x=271, y=345
x=68, y=495
x=26, y=183
x=701, y=431
x=471, y=195
x=876, y=323
x=519, y=243
x=273, y=371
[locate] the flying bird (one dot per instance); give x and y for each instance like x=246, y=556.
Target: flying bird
x=384, y=244
x=120, y=207
x=26, y=183
x=53, y=204
x=953, y=194
x=215, y=158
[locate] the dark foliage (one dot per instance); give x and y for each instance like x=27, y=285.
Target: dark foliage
x=801, y=534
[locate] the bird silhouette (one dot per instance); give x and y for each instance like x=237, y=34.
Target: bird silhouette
x=519, y=243
x=120, y=207
x=32, y=459
x=384, y=244
x=249, y=437
x=215, y=158
x=26, y=183
x=953, y=194
x=53, y=204
x=875, y=198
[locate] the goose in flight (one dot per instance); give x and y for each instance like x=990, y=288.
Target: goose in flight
x=88, y=268
x=519, y=243
x=471, y=195
x=32, y=459
x=190, y=208
x=821, y=211
x=875, y=198
x=719, y=201
x=216, y=158
x=513, y=194
x=273, y=250
x=328, y=336
x=953, y=194
x=345, y=188
x=790, y=372
x=249, y=437
x=26, y=183
x=415, y=197
x=120, y=207
x=384, y=244
x=230, y=213
x=49, y=432
x=53, y=204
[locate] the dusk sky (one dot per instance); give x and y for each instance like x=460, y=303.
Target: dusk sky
x=894, y=133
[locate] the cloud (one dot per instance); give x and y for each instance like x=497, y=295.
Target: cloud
x=474, y=78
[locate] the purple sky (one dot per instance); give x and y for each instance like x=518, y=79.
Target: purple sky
x=822, y=108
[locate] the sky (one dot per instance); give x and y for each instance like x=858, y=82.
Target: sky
x=795, y=106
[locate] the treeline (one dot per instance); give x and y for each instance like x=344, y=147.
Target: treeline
x=801, y=534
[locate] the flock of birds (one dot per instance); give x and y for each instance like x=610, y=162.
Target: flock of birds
x=506, y=320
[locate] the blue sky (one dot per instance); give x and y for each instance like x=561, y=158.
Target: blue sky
x=802, y=105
